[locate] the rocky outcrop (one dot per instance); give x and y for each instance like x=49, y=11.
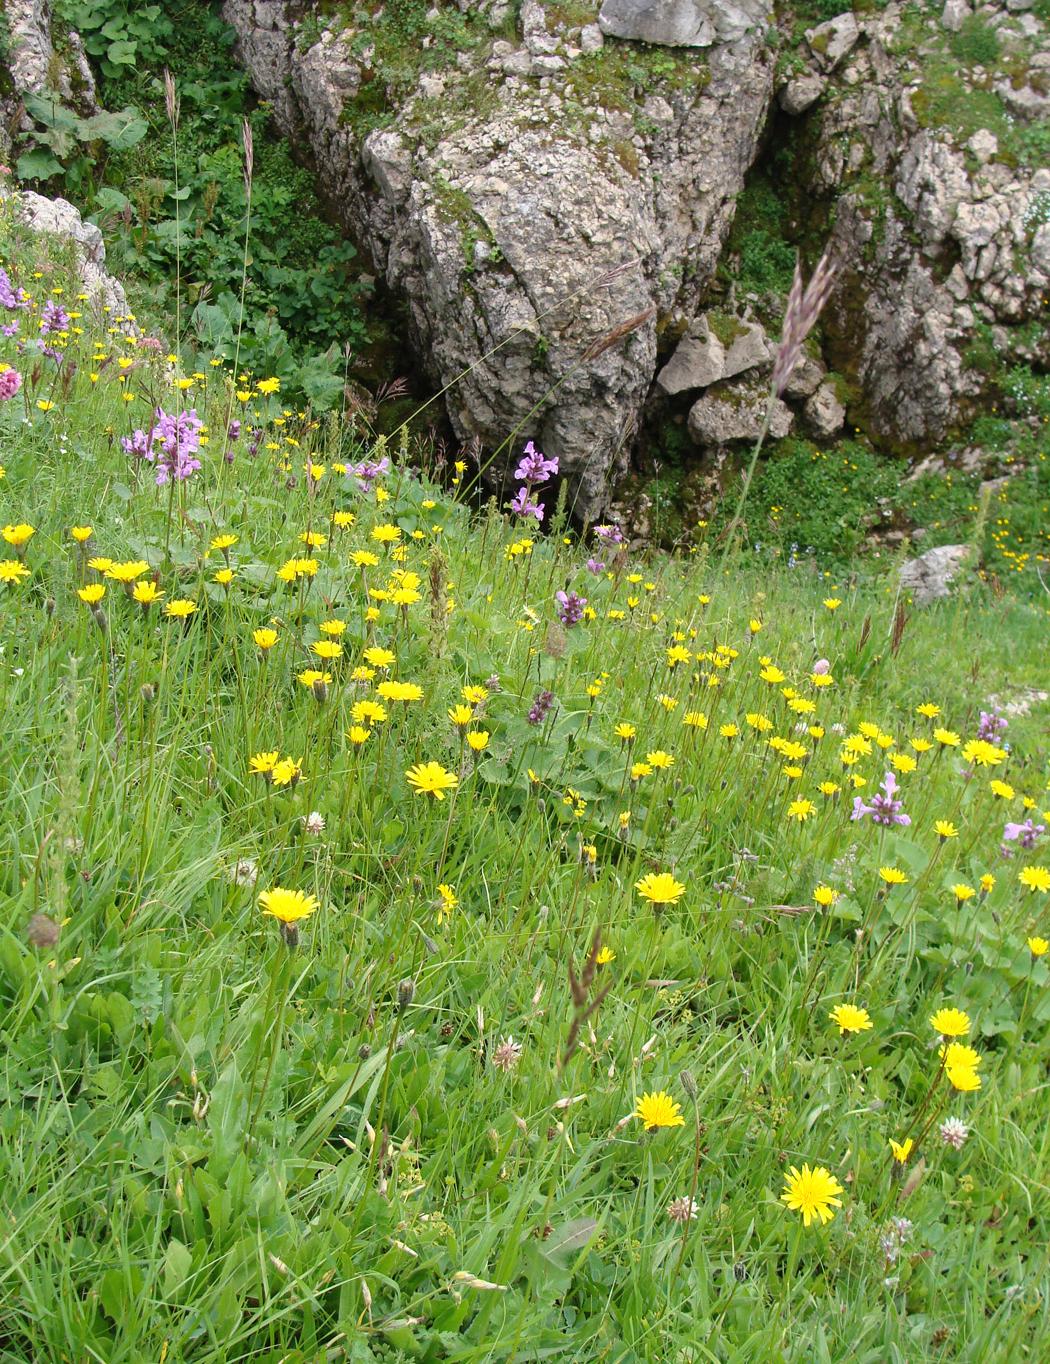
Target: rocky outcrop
x=941, y=232
x=539, y=215
x=683, y=23
x=57, y=218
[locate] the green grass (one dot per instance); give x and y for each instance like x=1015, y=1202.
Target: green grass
x=217, y=1147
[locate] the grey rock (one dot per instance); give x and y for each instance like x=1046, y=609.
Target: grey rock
x=592, y=39
x=831, y=42
x=805, y=377
x=682, y=23
x=517, y=241
x=824, y=415
x=983, y=144
x=698, y=361
x=57, y=218
x=748, y=349
x=954, y=14
x=800, y=94
x=929, y=577
x=734, y=413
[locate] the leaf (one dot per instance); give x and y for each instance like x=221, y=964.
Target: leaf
x=38, y=164
x=227, y=1118
x=120, y=130
x=122, y=53
x=177, y=1265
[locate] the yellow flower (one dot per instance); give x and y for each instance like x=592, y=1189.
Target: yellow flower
x=460, y=715
x=800, y=809
x=224, y=541
x=224, y=576
x=362, y=558
x=963, y=1078
x=1002, y=789
x=605, y=956
x=263, y=763
x=947, y=737
x=431, y=779
x=18, y=536
x=987, y=883
x=265, y=638
x=92, y=594
x=825, y=896
x=963, y=892
x=146, y=593
x=625, y=732
x=1038, y=947
x=474, y=695
x=848, y=1018
x=11, y=571
x=828, y=788
x=386, y=534
x=812, y=1192
x=660, y=888
x=659, y=759
x=287, y=772
x=982, y=753
x=288, y=905
x=640, y=770
x=901, y=1149
x=728, y=731
x=903, y=763
x=400, y=691
x=312, y=678
x=695, y=719
x=180, y=608
x=893, y=876
x=950, y=1022
x=332, y=627
x=928, y=709
x=478, y=739
x=944, y=829
x=1034, y=878
x=658, y=1110
x=368, y=712
x=327, y=649
x=832, y=603
x=357, y=734
x=127, y=572
x=268, y=385
x=81, y=534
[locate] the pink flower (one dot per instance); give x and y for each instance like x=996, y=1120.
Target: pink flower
x=10, y=383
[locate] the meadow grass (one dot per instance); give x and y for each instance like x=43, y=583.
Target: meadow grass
x=405, y=1126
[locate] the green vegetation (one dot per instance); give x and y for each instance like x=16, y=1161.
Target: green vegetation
x=759, y=240
x=305, y=293
x=532, y=1073
x=976, y=43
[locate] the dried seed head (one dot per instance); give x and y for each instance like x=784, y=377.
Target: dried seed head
x=42, y=931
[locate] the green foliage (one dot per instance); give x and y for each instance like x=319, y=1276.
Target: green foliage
x=119, y=34
x=305, y=291
x=976, y=43
x=758, y=240
x=216, y=1147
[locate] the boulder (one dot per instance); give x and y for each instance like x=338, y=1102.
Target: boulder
x=832, y=41
x=698, y=361
x=682, y=23
x=800, y=94
x=534, y=254
x=57, y=218
x=824, y=414
x=929, y=577
x=955, y=14
x=736, y=412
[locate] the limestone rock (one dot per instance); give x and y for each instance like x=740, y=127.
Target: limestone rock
x=832, y=41
x=929, y=577
x=805, y=377
x=748, y=349
x=58, y=218
x=955, y=14
x=698, y=361
x=824, y=414
x=736, y=412
x=518, y=241
x=800, y=94
x=682, y=23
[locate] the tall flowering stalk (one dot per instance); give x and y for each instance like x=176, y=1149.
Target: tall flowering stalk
x=804, y=306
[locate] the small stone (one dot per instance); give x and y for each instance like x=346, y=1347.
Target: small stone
x=697, y=362
x=984, y=145
x=591, y=38
x=748, y=350
x=736, y=413
x=805, y=377
x=834, y=40
x=547, y=65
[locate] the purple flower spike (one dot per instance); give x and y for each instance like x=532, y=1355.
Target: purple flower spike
x=535, y=467
x=524, y=505
x=570, y=608
x=540, y=706
x=884, y=809
x=991, y=726
x=1025, y=834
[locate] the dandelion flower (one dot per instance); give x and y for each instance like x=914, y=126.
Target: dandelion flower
x=92, y=594
x=11, y=571
x=849, y=1018
x=825, y=896
x=659, y=1110
x=660, y=888
x=289, y=906
x=893, y=876
x=950, y=1022
x=1038, y=946
x=431, y=779
x=812, y=1192
x=901, y=1149
x=1034, y=878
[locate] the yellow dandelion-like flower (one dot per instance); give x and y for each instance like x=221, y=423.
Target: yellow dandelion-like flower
x=657, y=1110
